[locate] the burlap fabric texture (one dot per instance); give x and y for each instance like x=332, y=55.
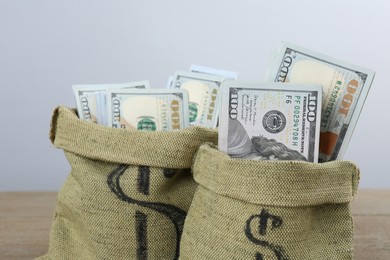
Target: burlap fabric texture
x=245, y=209
x=128, y=192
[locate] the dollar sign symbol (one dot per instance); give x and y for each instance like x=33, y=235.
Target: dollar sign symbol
x=173, y=213
x=264, y=217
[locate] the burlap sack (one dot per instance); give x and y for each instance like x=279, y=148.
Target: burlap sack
x=244, y=209
x=128, y=191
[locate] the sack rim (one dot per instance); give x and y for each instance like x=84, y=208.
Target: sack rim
x=281, y=183
x=169, y=149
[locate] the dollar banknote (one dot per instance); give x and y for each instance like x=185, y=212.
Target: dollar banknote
x=345, y=88
x=270, y=121
x=148, y=109
x=212, y=71
x=91, y=99
x=226, y=74
x=203, y=95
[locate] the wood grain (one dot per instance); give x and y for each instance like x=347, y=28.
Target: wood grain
x=371, y=212
x=25, y=220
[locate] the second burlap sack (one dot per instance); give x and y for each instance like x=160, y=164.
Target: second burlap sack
x=246, y=209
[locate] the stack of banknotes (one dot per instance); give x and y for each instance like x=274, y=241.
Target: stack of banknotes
x=305, y=109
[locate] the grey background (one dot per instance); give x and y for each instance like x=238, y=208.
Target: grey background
x=47, y=46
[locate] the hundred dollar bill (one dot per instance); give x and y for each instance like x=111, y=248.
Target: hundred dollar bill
x=102, y=99
x=345, y=87
x=203, y=95
x=91, y=99
x=270, y=121
x=206, y=70
x=148, y=109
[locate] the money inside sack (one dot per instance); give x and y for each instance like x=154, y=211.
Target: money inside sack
x=306, y=109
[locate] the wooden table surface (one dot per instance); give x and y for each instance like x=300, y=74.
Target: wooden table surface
x=25, y=220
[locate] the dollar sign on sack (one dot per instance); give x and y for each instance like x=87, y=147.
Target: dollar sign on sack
x=263, y=218
x=173, y=213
